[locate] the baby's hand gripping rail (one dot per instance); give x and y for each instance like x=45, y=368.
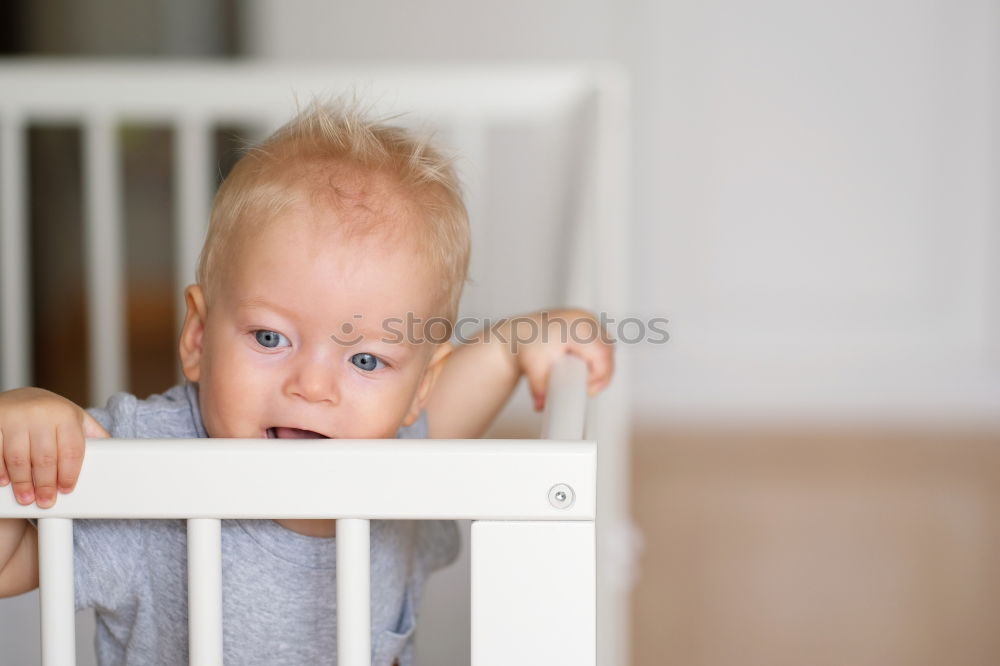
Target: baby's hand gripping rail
x=533, y=504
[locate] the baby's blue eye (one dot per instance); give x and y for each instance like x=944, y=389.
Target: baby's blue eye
x=367, y=362
x=271, y=339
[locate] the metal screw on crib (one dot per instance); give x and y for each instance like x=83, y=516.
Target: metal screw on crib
x=561, y=496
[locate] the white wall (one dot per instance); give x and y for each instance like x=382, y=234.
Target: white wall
x=430, y=30
x=817, y=186
x=815, y=207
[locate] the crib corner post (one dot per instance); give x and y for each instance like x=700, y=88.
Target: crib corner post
x=533, y=593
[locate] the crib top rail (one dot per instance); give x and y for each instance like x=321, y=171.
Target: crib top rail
x=59, y=90
x=372, y=479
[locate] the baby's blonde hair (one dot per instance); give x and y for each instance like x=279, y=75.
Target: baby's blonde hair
x=303, y=162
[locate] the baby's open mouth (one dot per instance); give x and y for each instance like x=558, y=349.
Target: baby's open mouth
x=282, y=432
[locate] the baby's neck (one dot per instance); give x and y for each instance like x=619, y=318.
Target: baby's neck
x=314, y=528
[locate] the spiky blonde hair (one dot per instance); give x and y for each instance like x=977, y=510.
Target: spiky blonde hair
x=303, y=161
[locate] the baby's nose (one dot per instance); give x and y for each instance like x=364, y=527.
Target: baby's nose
x=315, y=382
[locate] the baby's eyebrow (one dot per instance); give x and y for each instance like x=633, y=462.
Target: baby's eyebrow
x=254, y=302
x=258, y=302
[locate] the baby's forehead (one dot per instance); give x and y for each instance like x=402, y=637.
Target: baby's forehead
x=374, y=269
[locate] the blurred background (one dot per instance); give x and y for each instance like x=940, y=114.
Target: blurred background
x=815, y=208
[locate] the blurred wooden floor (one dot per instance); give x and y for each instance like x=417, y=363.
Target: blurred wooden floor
x=781, y=547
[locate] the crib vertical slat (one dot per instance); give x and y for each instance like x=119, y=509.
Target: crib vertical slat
x=55, y=578
x=15, y=327
x=104, y=255
x=533, y=593
x=193, y=179
x=566, y=403
x=353, y=592
x=205, y=591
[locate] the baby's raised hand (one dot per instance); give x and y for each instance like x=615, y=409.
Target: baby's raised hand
x=41, y=443
x=538, y=340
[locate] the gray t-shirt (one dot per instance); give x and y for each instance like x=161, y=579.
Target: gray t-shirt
x=279, y=596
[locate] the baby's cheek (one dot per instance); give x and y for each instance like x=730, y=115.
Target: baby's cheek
x=387, y=432
x=381, y=424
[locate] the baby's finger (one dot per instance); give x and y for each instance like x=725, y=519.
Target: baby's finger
x=18, y=462
x=4, y=477
x=538, y=381
x=91, y=428
x=70, y=452
x=601, y=366
x=43, y=466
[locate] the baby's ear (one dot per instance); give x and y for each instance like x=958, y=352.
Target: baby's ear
x=431, y=372
x=193, y=332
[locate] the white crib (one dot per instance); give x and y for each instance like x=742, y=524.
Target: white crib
x=534, y=502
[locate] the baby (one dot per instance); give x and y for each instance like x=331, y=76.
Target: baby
x=319, y=237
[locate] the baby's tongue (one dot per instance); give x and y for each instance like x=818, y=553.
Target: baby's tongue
x=294, y=433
